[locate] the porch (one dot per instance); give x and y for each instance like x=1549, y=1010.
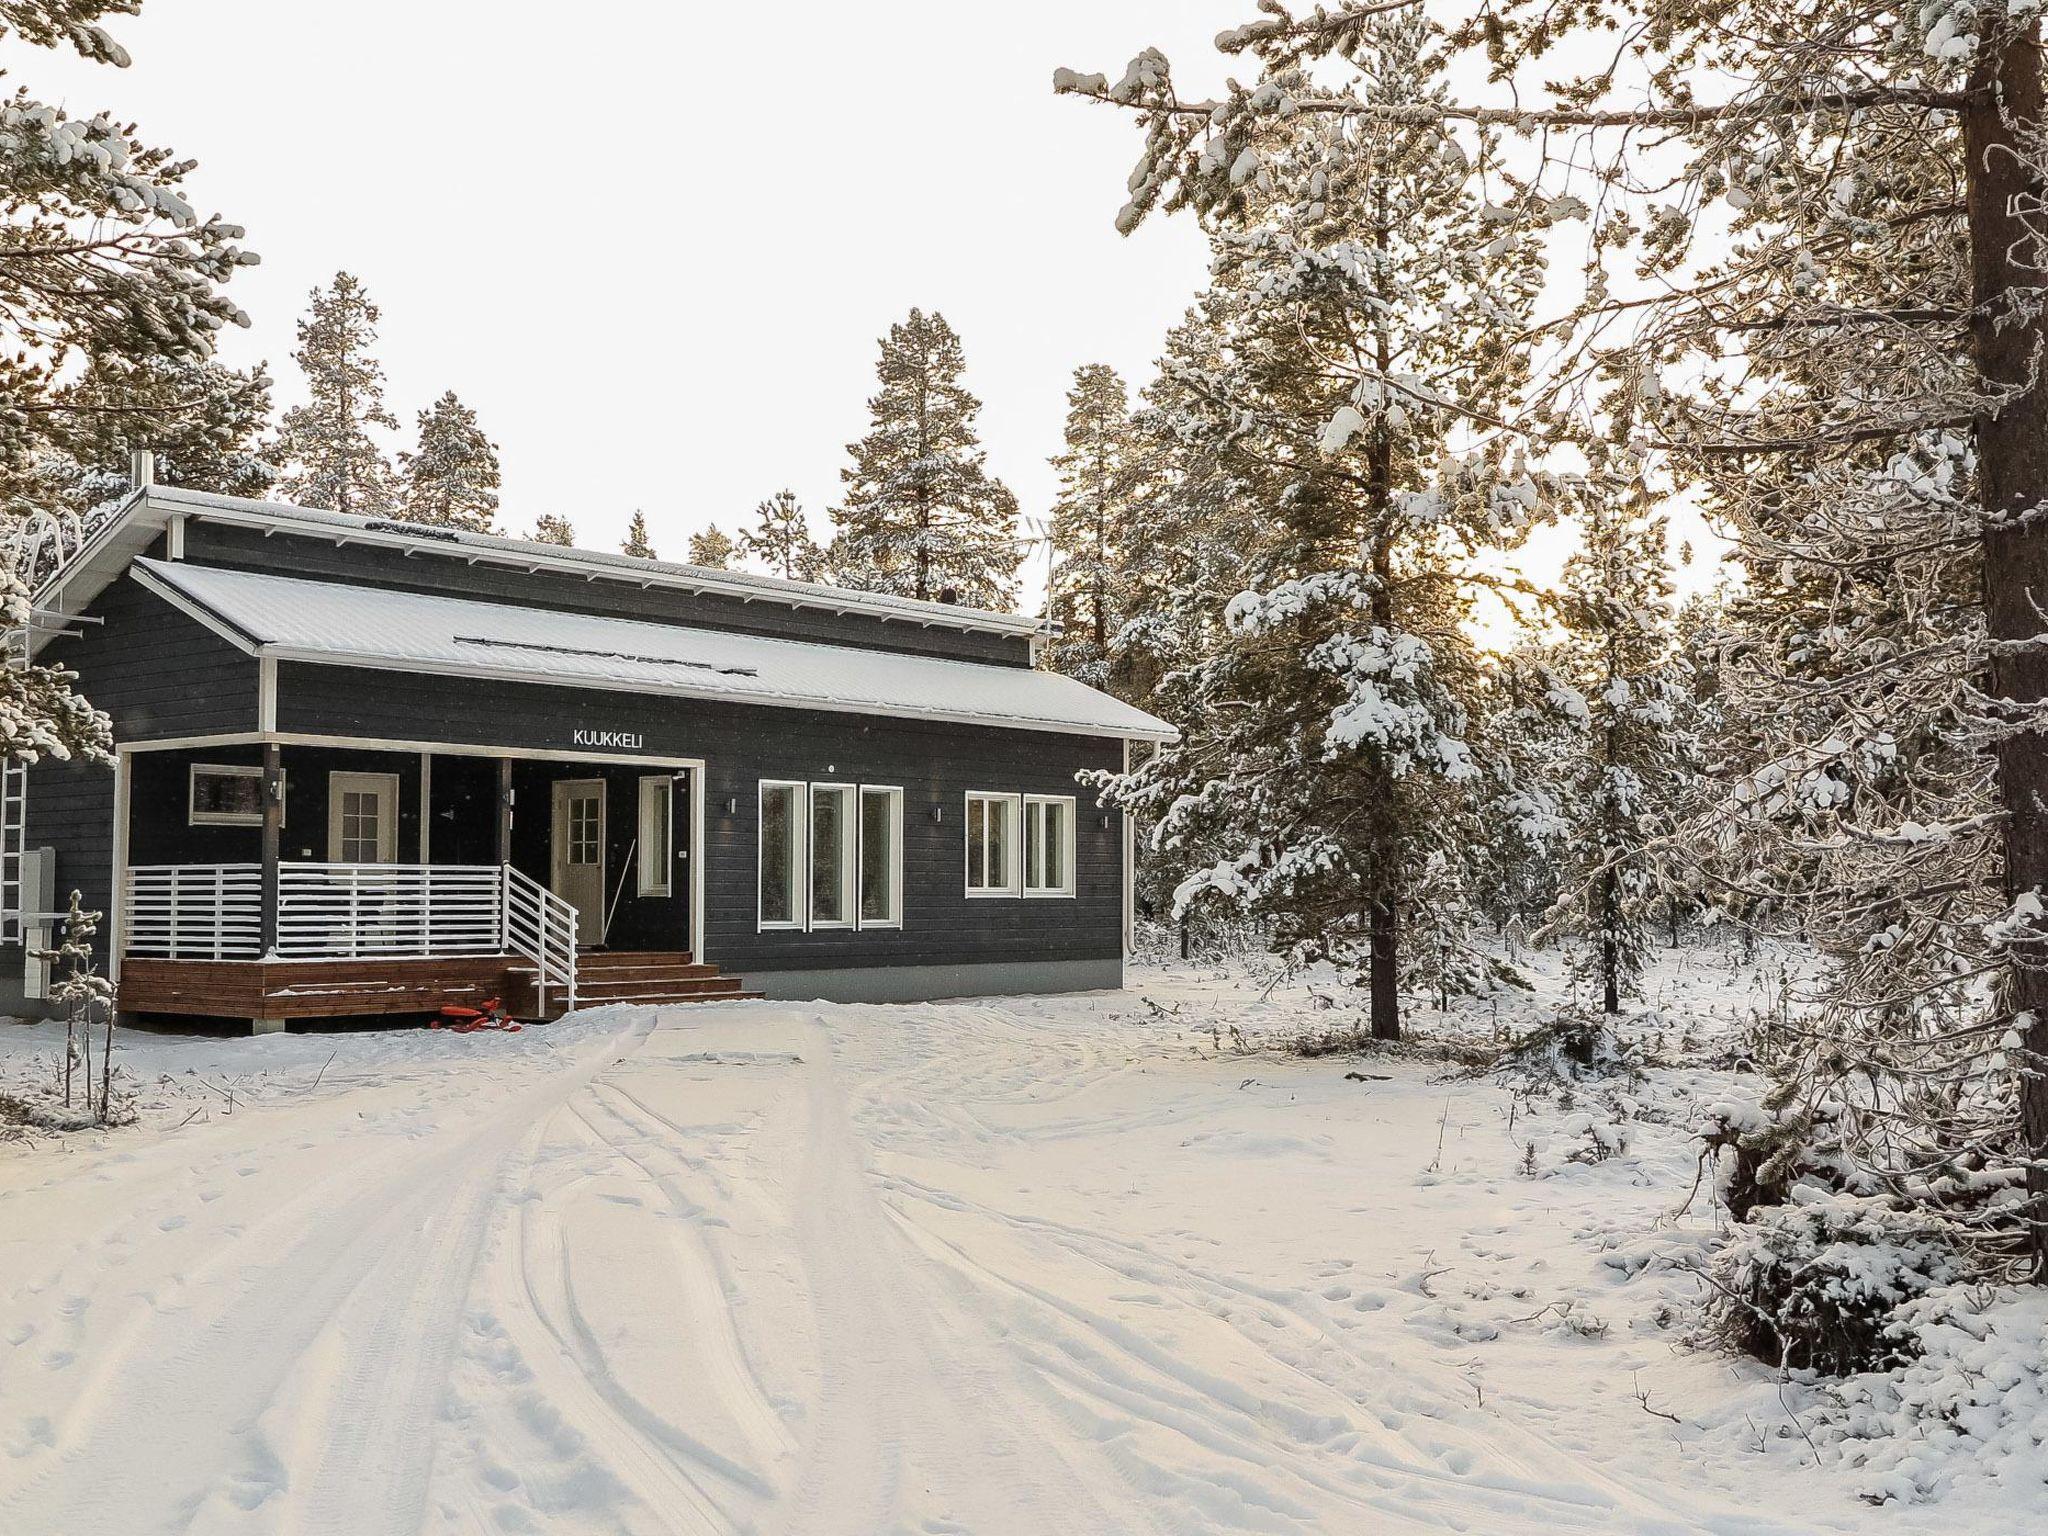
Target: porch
x=382, y=882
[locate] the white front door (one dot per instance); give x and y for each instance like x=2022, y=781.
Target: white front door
x=362, y=818
x=576, y=872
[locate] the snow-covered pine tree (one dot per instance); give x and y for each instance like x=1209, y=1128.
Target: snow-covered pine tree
x=1184, y=546
x=205, y=423
x=106, y=266
x=451, y=479
x=922, y=516
x=1864, y=390
x=553, y=528
x=781, y=540
x=106, y=259
x=712, y=548
x=638, y=543
x=1613, y=676
x=335, y=463
x=1325, y=744
x=1099, y=472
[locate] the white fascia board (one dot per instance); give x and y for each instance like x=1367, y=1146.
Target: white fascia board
x=731, y=695
x=247, y=644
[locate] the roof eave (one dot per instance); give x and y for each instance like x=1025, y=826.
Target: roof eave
x=277, y=516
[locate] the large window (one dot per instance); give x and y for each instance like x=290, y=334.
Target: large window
x=657, y=835
x=831, y=855
x=1048, y=845
x=991, y=844
x=881, y=857
x=1020, y=845
x=782, y=850
x=225, y=795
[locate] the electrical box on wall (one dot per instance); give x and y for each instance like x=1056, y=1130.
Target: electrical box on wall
x=38, y=917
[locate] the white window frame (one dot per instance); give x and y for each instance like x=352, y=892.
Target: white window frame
x=654, y=867
x=799, y=858
x=1015, y=804
x=194, y=817
x=893, y=793
x=849, y=855
x=1034, y=887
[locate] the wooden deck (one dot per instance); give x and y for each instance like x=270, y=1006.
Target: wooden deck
x=315, y=989
x=326, y=989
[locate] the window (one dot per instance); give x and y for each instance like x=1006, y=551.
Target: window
x=657, y=837
x=881, y=857
x=832, y=855
x=1048, y=845
x=225, y=795
x=782, y=846
x=991, y=845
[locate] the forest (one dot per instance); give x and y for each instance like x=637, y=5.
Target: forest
x=1534, y=270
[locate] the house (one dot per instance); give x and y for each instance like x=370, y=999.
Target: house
x=367, y=767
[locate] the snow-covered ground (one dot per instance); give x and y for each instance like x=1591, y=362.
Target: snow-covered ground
x=1075, y=1265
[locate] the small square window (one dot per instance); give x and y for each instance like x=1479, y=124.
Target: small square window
x=226, y=795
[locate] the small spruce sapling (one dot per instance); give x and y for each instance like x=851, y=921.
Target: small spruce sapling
x=80, y=991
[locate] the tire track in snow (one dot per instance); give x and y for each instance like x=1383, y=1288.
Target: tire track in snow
x=297, y=1334
x=909, y=1427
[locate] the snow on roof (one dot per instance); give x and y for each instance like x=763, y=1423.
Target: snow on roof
x=299, y=620
x=461, y=545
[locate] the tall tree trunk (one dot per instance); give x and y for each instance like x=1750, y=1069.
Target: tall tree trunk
x=1385, y=932
x=1610, y=952
x=2001, y=136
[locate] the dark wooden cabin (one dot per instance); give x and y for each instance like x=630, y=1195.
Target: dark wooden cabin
x=367, y=767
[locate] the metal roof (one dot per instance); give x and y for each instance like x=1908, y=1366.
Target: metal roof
x=529, y=554
x=293, y=619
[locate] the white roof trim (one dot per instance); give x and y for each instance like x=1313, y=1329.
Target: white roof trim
x=289, y=618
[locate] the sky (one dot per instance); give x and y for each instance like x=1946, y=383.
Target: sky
x=656, y=252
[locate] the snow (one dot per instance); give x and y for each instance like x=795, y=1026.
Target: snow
x=1073, y=1264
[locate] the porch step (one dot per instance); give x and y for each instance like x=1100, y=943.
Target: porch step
x=651, y=977
x=605, y=988
x=589, y=960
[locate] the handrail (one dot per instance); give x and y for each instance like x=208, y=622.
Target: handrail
x=332, y=911
x=541, y=926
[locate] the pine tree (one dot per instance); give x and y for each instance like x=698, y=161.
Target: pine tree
x=204, y=423
x=711, y=548
x=451, y=479
x=1368, y=316
x=1099, y=470
x=105, y=262
x=1615, y=679
x=551, y=528
x=922, y=517
x=638, y=544
x=781, y=540
x=336, y=464
x=1184, y=546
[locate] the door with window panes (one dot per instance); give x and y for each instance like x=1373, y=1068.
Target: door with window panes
x=577, y=854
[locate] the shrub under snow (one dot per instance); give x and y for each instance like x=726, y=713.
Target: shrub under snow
x=1969, y=1407
x=1818, y=1283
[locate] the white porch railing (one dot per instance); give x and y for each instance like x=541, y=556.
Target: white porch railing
x=193, y=911
x=352, y=911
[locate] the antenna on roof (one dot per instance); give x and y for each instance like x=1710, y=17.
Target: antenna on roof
x=141, y=468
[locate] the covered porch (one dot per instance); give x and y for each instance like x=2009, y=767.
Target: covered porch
x=282, y=880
